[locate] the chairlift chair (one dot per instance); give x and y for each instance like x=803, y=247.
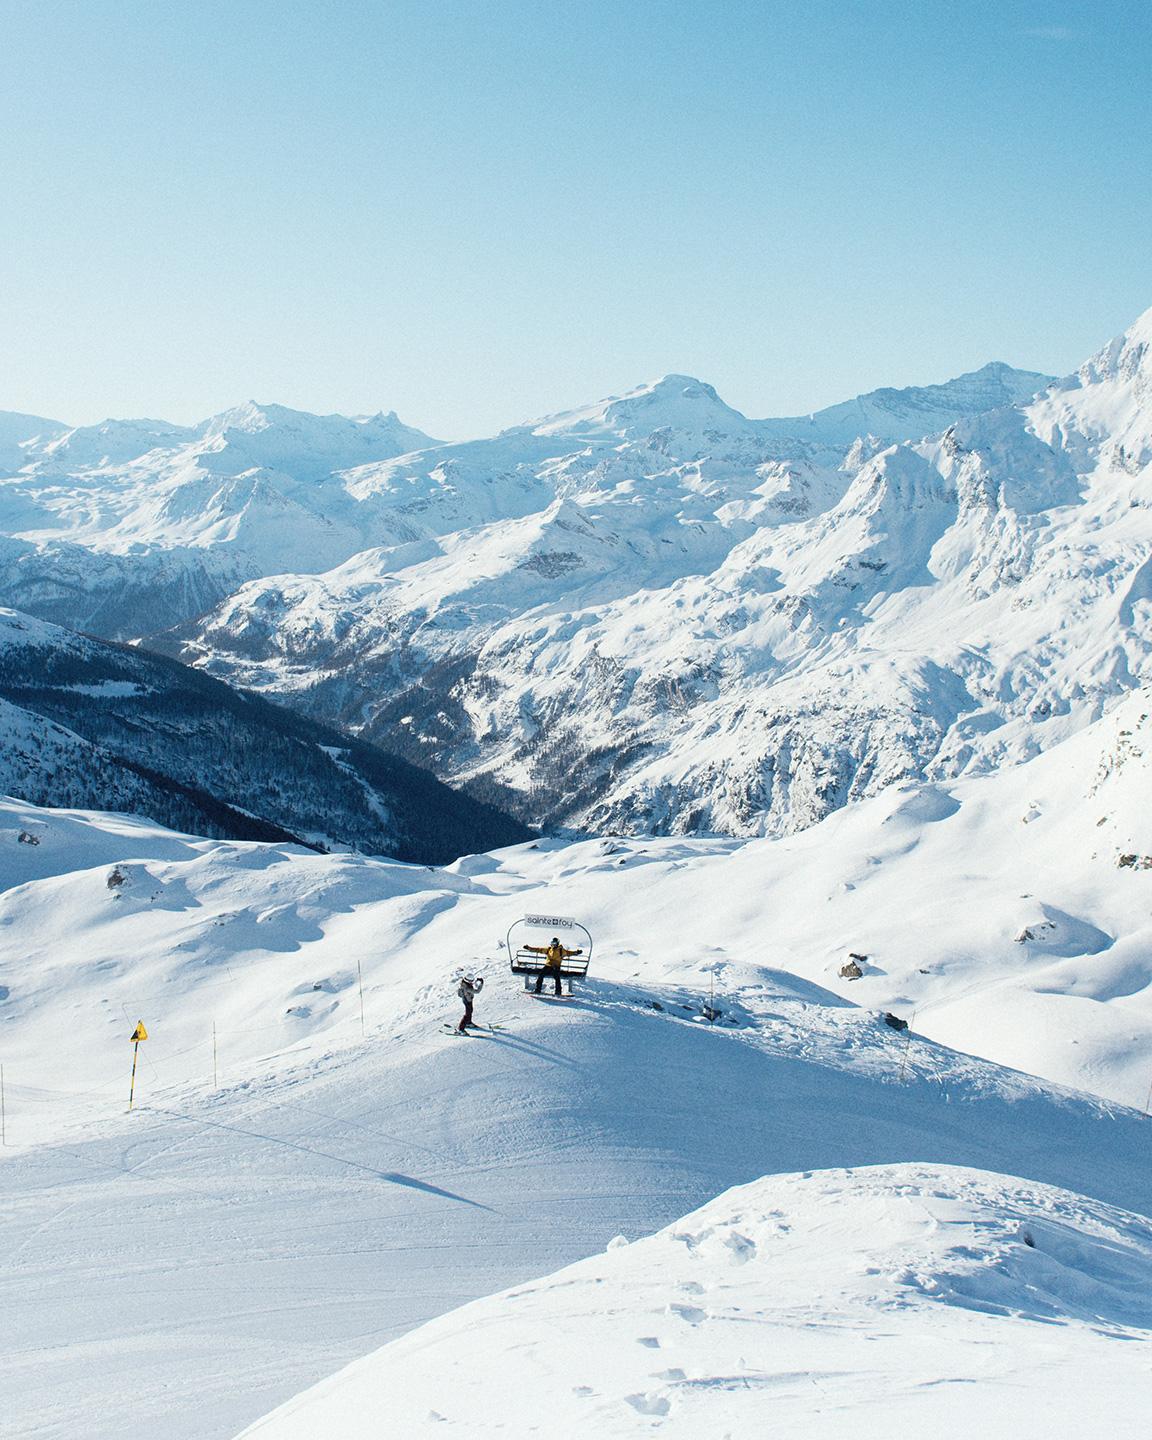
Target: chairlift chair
x=538, y=930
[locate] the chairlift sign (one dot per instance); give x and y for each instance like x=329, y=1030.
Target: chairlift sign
x=551, y=922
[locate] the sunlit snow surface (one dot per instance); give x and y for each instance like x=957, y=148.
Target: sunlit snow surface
x=897, y=1299
x=303, y=1191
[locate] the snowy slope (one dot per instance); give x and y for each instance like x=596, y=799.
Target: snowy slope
x=901, y=1299
x=670, y=630
x=37, y=843
x=293, y=1191
x=86, y=723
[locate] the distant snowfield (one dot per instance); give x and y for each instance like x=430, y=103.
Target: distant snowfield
x=242, y=1235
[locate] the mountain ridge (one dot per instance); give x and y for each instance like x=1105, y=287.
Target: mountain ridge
x=713, y=637
x=85, y=723
x=651, y=613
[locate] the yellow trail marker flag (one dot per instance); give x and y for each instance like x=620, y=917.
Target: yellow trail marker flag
x=140, y=1033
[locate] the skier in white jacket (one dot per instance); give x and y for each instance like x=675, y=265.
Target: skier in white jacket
x=468, y=990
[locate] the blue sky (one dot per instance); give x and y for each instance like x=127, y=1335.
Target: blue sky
x=478, y=212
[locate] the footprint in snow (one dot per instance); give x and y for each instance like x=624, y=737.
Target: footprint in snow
x=649, y=1340
x=649, y=1404
x=691, y=1314
x=743, y=1249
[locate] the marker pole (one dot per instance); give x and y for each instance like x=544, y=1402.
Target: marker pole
x=3, y=1111
x=215, y=1086
x=907, y=1042
x=360, y=978
x=132, y=1087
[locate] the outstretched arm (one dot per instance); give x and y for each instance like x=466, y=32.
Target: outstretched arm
x=572, y=952
x=536, y=949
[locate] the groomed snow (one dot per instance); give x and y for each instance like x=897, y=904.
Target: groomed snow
x=887, y=1300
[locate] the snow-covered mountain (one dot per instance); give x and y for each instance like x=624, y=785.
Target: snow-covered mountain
x=679, y=619
x=18, y=433
x=105, y=522
x=85, y=723
x=134, y=525
x=651, y=613
x=314, y=1167
x=919, y=410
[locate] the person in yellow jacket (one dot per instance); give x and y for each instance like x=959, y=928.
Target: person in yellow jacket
x=554, y=956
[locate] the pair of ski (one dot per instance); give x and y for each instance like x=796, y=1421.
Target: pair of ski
x=455, y=1030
